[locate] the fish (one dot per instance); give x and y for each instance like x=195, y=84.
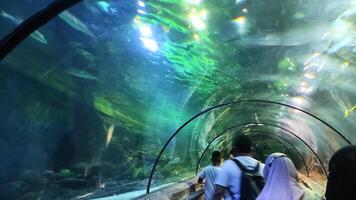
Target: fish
x=9, y=17
x=348, y=111
x=256, y=118
x=100, y=7
x=328, y=38
x=39, y=37
x=294, y=37
x=109, y=134
x=340, y=44
x=36, y=35
x=75, y=23
x=82, y=74
x=349, y=15
x=92, y=8
x=106, y=7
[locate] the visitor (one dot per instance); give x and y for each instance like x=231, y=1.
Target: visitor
x=342, y=175
x=281, y=179
x=228, y=184
x=231, y=154
x=209, y=173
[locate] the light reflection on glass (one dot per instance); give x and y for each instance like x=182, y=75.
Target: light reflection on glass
x=145, y=30
x=196, y=2
x=150, y=44
x=240, y=1
x=141, y=12
x=146, y=35
x=141, y=3
x=241, y=20
x=204, y=14
x=197, y=22
x=298, y=100
x=321, y=66
x=315, y=55
x=340, y=28
x=309, y=75
x=345, y=64
x=198, y=19
x=305, y=89
x=311, y=65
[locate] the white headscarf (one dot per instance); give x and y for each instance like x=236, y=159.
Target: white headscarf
x=281, y=179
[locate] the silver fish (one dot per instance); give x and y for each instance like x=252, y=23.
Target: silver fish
x=324, y=37
x=9, y=17
x=35, y=35
x=106, y=7
x=39, y=37
x=109, y=134
x=294, y=37
x=341, y=44
x=349, y=15
x=74, y=22
x=82, y=74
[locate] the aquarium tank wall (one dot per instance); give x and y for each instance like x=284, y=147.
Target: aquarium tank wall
x=122, y=97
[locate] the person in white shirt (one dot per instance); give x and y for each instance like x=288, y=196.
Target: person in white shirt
x=209, y=173
x=228, y=182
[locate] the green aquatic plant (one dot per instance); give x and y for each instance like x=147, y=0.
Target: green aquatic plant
x=194, y=58
x=287, y=64
x=106, y=107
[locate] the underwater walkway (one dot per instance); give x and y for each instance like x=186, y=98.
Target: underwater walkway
x=127, y=99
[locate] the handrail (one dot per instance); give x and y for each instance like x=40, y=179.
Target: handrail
x=195, y=195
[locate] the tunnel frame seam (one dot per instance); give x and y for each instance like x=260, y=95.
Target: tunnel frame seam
x=33, y=23
x=231, y=103
x=300, y=139
x=247, y=124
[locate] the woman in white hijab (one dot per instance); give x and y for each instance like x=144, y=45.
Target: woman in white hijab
x=281, y=179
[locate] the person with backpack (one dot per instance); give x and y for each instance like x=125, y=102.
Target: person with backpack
x=240, y=178
x=281, y=179
x=209, y=173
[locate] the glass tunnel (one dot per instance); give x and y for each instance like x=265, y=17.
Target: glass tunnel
x=134, y=95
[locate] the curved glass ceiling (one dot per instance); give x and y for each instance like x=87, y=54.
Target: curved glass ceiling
x=91, y=97
x=312, y=138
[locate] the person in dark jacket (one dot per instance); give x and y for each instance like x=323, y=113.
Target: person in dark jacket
x=342, y=175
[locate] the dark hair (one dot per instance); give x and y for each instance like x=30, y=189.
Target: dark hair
x=232, y=152
x=215, y=157
x=342, y=175
x=242, y=144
